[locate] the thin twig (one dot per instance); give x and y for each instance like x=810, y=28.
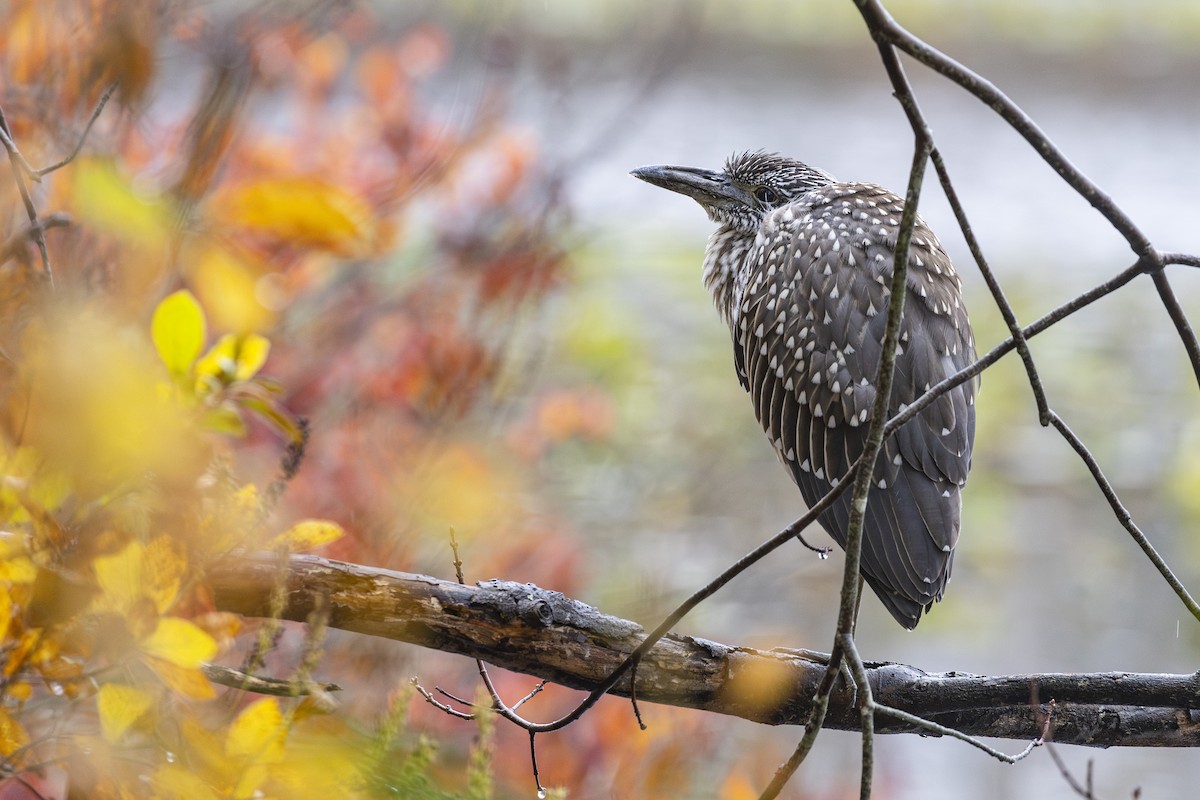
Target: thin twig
x=537, y=779
x=866, y=712
x=862, y=472
x=22, y=171
x=684, y=608
x=453, y=697
x=1086, y=790
x=637, y=712
x=15, y=154
x=278, y=687
x=433, y=701
x=19, y=166
x=934, y=727
x=536, y=689
x=1003, y=348
x=820, y=705
x=920, y=127
x=1123, y=515
x=15, y=244
x=100, y=104
x=1187, y=259
x=998, y=296
x=884, y=26
x=1177, y=315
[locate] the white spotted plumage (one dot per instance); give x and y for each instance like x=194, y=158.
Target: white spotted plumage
x=809, y=367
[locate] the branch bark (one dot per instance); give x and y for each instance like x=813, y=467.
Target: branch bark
x=526, y=629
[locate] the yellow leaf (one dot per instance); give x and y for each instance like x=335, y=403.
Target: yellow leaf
x=174, y=782
x=163, y=568
x=220, y=360
x=309, y=534
x=120, y=707
x=120, y=577
x=17, y=569
x=301, y=211
x=251, y=356
x=322, y=760
x=178, y=331
x=231, y=289
x=258, y=733
x=206, y=752
x=106, y=199
x=179, y=642
x=247, y=500
x=186, y=681
x=6, y=612
x=18, y=655
x=234, y=358
x=249, y=781
x=12, y=735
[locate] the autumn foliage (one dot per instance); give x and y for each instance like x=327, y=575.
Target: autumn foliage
x=264, y=308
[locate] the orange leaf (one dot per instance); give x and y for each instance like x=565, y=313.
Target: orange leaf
x=229, y=286
x=300, y=211
x=12, y=735
x=6, y=612
x=163, y=568
x=309, y=534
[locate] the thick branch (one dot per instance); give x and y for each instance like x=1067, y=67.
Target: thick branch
x=538, y=632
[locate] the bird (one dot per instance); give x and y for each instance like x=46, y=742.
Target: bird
x=800, y=268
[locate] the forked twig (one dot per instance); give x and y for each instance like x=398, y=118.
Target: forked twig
x=23, y=172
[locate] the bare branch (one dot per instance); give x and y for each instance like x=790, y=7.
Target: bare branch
x=15, y=244
x=884, y=27
x=942, y=730
x=534, y=631
x=20, y=168
x=1123, y=515
x=277, y=687
x=100, y=104
x=1177, y=315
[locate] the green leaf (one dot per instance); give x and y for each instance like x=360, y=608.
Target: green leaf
x=178, y=331
x=225, y=420
x=274, y=416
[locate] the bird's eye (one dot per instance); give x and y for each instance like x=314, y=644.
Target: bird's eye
x=766, y=195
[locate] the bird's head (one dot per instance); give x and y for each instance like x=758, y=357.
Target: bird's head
x=751, y=185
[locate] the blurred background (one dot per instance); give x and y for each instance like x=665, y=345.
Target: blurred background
x=511, y=337
x=683, y=482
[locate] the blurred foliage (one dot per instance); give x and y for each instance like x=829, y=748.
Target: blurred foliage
x=281, y=273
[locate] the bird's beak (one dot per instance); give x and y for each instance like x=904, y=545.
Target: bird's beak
x=709, y=189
